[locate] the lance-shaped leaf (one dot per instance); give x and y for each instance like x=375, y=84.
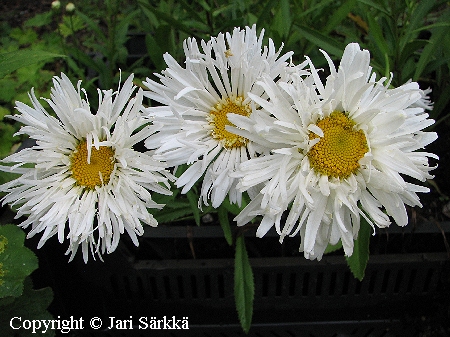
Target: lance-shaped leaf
x=225, y=223
x=244, y=287
x=20, y=58
x=358, y=261
x=192, y=198
x=332, y=248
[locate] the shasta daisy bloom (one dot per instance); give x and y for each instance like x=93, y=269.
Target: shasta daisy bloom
x=196, y=100
x=83, y=181
x=340, y=150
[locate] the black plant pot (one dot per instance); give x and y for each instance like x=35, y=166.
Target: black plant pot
x=403, y=292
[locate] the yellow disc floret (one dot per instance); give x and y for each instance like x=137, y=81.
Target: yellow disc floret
x=338, y=152
x=95, y=172
x=218, y=119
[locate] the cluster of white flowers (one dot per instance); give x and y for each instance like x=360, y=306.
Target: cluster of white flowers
x=314, y=155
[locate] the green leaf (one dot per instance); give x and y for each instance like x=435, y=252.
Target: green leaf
x=417, y=20
x=176, y=207
x=410, y=51
x=432, y=26
x=24, y=37
x=330, y=45
x=204, y=5
x=32, y=305
x=92, y=25
x=222, y=9
x=234, y=209
x=339, y=15
x=193, y=13
x=70, y=25
x=376, y=33
x=177, y=24
x=193, y=201
x=7, y=139
x=16, y=261
x=169, y=214
x=39, y=20
x=266, y=14
x=428, y=52
x=96, y=64
x=358, y=261
x=154, y=52
x=122, y=28
x=4, y=112
x=332, y=248
x=78, y=71
x=244, y=287
x=282, y=19
x=375, y=5
x=440, y=104
x=313, y=9
x=12, y=61
x=6, y=176
x=225, y=223
x=9, y=89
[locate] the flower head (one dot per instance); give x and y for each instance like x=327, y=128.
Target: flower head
x=196, y=101
x=56, y=4
x=340, y=151
x=83, y=180
x=70, y=7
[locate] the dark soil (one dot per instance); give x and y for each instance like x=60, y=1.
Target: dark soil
x=16, y=12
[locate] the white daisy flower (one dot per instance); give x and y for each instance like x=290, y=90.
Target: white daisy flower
x=339, y=151
x=195, y=103
x=85, y=182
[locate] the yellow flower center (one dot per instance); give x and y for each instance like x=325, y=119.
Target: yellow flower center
x=95, y=173
x=338, y=152
x=218, y=119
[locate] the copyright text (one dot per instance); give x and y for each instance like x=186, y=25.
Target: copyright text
x=41, y=326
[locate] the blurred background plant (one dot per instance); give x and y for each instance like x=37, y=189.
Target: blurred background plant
x=407, y=38
x=92, y=40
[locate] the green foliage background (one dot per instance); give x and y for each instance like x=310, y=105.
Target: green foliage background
x=408, y=38
x=17, y=296
x=102, y=41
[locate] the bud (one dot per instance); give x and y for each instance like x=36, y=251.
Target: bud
x=56, y=5
x=70, y=7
